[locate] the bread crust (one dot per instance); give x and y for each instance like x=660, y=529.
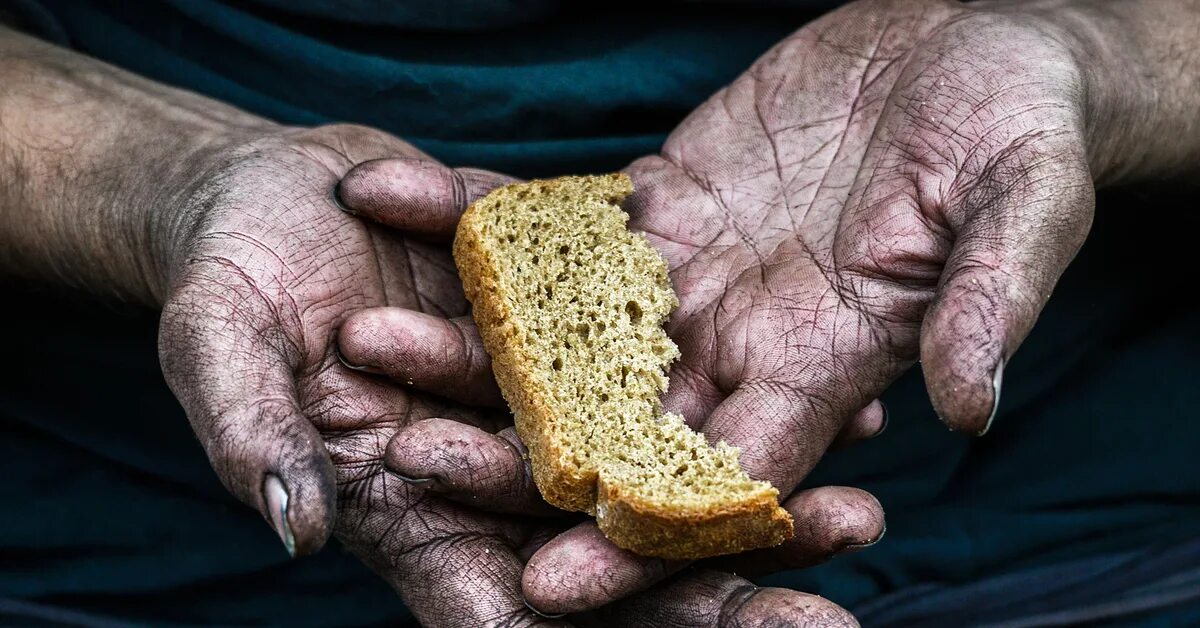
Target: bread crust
x=644, y=528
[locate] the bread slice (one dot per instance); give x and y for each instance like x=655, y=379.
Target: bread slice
x=571, y=305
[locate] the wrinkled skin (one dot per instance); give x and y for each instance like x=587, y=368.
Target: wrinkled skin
x=896, y=181
x=267, y=270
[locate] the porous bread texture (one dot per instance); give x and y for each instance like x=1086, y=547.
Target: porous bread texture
x=571, y=305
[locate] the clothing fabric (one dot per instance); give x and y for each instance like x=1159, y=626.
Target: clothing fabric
x=1081, y=505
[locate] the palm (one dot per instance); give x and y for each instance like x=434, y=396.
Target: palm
x=807, y=214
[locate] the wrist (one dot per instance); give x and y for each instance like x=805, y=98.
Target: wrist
x=96, y=164
x=1140, y=86
x=169, y=201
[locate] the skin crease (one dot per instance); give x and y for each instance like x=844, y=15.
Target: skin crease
x=896, y=181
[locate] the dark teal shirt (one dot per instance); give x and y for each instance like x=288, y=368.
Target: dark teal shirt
x=108, y=507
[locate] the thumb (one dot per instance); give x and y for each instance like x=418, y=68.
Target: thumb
x=1013, y=243
x=415, y=195
x=235, y=382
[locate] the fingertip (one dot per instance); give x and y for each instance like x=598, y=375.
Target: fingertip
x=833, y=518
x=312, y=503
x=539, y=595
x=465, y=464
x=299, y=502
x=966, y=404
x=271, y=457
x=381, y=337
x=411, y=194
x=580, y=570
x=867, y=423
x=549, y=596
x=706, y=597
x=829, y=521
x=775, y=606
x=408, y=451
x=359, y=336
x=963, y=358
x=414, y=194
x=362, y=185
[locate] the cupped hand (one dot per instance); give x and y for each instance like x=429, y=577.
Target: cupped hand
x=267, y=270
x=898, y=180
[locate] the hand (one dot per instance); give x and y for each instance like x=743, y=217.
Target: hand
x=268, y=270
x=895, y=181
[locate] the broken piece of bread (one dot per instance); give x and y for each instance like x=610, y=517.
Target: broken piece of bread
x=571, y=305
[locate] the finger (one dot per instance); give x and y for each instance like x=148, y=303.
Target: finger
x=466, y=464
x=235, y=382
x=580, y=570
x=829, y=520
x=451, y=566
x=437, y=355
x=870, y=422
x=782, y=431
x=415, y=195
x=1014, y=242
x=717, y=599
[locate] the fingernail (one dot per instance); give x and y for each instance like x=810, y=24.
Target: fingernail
x=412, y=481
x=997, y=379
x=353, y=367
x=540, y=613
x=337, y=200
x=854, y=547
x=884, y=424
x=276, y=497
